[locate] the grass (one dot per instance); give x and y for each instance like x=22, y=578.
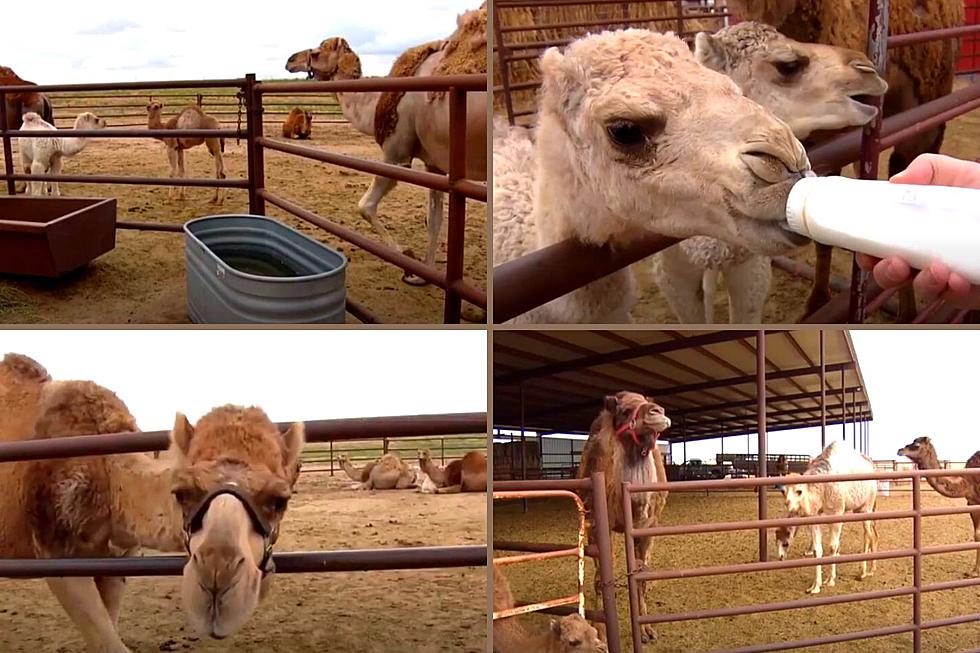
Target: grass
x=15, y=302
x=364, y=450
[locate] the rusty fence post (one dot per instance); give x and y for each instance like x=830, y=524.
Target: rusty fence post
x=442, y=450
x=331, y=457
x=679, y=5
x=917, y=563
x=503, y=59
x=760, y=389
x=600, y=526
x=631, y=570
x=456, y=238
x=8, y=153
x=254, y=151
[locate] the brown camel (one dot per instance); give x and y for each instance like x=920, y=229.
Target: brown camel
x=359, y=474
x=915, y=75
x=623, y=444
x=570, y=634
x=298, y=124
x=19, y=104
x=231, y=477
x=413, y=125
x=923, y=454
x=469, y=474
x=190, y=117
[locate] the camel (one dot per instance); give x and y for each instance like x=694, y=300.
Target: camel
x=570, y=634
x=412, y=125
x=623, y=444
x=915, y=75
x=836, y=498
x=298, y=124
x=46, y=155
x=923, y=454
x=356, y=474
x=633, y=136
x=219, y=494
x=469, y=474
x=190, y=117
x=809, y=86
x=390, y=473
x=19, y=104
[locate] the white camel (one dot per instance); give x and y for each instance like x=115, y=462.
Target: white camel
x=633, y=136
x=45, y=155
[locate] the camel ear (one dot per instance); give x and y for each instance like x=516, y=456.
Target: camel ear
x=709, y=52
x=182, y=433
x=610, y=403
x=555, y=627
x=293, y=440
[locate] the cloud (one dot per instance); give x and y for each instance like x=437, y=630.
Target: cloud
x=110, y=27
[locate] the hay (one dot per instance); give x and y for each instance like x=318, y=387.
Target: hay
x=406, y=65
x=15, y=305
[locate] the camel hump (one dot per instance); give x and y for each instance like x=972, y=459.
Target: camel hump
x=23, y=368
x=465, y=52
x=69, y=408
x=406, y=65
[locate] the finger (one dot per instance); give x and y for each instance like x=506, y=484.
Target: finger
x=957, y=285
x=940, y=170
x=892, y=272
x=932, y=281
x=867, y=262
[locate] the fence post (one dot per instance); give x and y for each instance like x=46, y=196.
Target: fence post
x=331, y=457
x=679, y=5
x=455, y=239
x=503, y=58
x=8, y=154
x=384, y=445
x=256, y=156
x=600, y=527
x=917, y=563
x=442, y=450
x=631, y=570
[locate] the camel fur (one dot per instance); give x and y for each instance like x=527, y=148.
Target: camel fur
x=468, y=474
x=635, y=136
x=390, y=473
x=190, y=117
x=922, y=452
x=46, y=155
x=811, y=87
x=834, y=498
x=632, y=456
x=359, y=474
x=569, y=634
x=298, y=124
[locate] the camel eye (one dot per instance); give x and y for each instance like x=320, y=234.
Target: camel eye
x=627, y=135
x=575, y=642
x=790, y=68
x=182, y=495
x=799, y=493
x=278, y=504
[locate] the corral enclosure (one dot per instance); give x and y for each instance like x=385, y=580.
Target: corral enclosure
x=142, y=280
x=429, y=611
x=554, y=521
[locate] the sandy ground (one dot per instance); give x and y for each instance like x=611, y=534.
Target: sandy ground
x=142, y=279
x=437, y=611
x=554, y=521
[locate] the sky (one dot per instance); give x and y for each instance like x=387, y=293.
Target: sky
x=108, y=40
x=292, y=375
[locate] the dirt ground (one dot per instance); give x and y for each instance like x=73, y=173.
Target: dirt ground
x=555, y=521
x=428, y=611
x=142, y=280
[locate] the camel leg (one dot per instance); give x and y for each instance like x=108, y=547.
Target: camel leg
x=37, y=187
x=25, y=188
x=81, y=600
x=835, y=531
x=368, y=206
x=643, y=546
x=748, y=286
x=111, y=589
x=596, y=602
x=452, y=489
x=56, y=163
x=219, y=168
x=172, y=159
x=680, y=282
x=976, y=538
x=181, y=173
x=433, y=222
x=870, y=546
x=817, y=553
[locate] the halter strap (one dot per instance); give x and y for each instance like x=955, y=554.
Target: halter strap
x=629, y=426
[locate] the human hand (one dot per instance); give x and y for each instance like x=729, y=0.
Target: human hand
x=937, y=280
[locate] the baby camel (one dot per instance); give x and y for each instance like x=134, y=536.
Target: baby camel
x=833, y=498
x=44, y=156
x=190, y=117
x=298, y=124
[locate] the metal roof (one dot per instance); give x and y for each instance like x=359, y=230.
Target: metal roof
x=705, y=380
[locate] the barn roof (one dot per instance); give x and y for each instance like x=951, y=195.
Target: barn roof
x=706, y=380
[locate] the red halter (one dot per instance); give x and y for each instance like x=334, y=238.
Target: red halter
x=630, y=427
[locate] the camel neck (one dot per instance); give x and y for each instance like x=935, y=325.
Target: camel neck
x=358, y=108
x=954, y=487
x=143, y=503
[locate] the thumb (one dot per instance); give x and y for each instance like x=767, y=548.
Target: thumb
x=940, y=170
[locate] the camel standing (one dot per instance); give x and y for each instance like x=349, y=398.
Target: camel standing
x=190, y=117
x=809, y=86
x=359, y=474
x=623, y=444
x=194, y=500
x=570, y=634
x=633, y=136
x=469, y=474
x=415, y=125
x=390, y=473
x=835, y=498
x=923, y=454
x=915, y=75
x=46, y=155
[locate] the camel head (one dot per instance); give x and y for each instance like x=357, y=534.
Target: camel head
x=333, y=59
x=808, y=85
x=651, y=140
x=636, y=421
x=154, y=109
x=89, y=120
x=919, y=451
x=233, y=477
x=424, y=456
x=784, y=537
x=343, y=458
x=576, y=635
x=798, y=496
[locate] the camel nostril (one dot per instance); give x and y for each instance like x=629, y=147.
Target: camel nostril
x=863, y=66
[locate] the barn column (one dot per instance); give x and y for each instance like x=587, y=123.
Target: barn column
x=523, y=447
x=760, y=389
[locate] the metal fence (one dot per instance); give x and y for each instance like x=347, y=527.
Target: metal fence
x=454, y=182
x=298, y=562
x=448, y=449
x=520, y=286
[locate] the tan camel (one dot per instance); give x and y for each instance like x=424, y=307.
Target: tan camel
x=190, y=117
x=468, y=474
x=915, y=75
x=810, y=499
x=623, y=444
x=390, y=473
x=298, y=124
x=809, y=86
x=923, y=454
x=359, y=474
x=633, y=136
x=411, y=125
x=231, y=476
x=570, y=634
